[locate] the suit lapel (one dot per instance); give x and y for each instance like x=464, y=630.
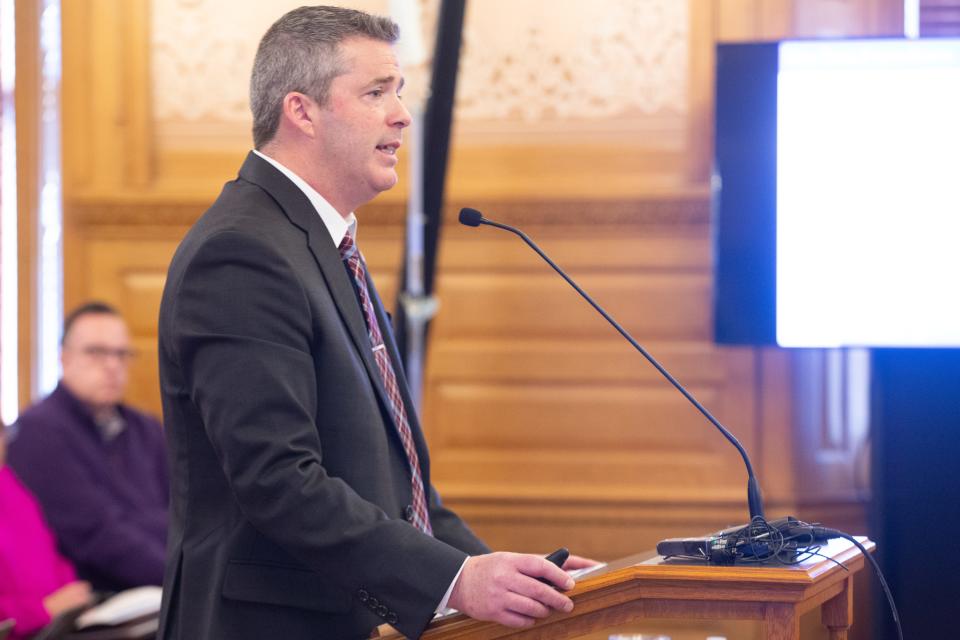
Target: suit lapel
x=298, y=209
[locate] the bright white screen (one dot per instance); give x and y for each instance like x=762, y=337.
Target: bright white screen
x=868, y=193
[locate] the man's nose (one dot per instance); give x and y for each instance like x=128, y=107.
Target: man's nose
x=401, y=115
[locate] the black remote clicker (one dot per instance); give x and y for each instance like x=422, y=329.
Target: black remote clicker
x=558, y=557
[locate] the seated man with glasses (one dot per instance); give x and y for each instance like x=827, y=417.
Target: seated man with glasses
x=97, y=466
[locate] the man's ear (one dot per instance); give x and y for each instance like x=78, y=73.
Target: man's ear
x=299, y=112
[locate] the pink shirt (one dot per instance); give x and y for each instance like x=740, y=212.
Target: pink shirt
x=30, y=566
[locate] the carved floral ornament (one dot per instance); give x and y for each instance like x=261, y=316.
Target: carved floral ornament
x=535, y=61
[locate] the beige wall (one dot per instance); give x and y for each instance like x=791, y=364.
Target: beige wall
x=588, y=127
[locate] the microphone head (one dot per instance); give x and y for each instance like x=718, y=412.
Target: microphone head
x=470, y=217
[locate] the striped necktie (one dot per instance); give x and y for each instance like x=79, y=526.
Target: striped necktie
x=351, y=255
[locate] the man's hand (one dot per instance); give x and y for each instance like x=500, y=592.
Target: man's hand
x=503, y=587
x=69, y=596
x=577, y=562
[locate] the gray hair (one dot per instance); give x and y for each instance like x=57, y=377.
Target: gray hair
x=300, y=52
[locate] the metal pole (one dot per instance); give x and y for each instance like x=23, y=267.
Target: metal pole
x=418, y=307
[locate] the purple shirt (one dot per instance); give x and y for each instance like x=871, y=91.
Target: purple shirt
x=30, y=567
x=106, y=500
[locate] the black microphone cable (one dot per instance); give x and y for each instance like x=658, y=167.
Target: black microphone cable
x=817, y=532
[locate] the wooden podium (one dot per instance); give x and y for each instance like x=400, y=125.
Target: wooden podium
x=647, y=586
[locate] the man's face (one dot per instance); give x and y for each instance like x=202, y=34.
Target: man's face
x=95, y=357
x=360, y=127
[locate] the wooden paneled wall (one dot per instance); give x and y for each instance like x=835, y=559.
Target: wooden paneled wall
x=545, y=428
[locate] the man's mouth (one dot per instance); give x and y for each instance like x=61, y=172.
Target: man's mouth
x=389, y=148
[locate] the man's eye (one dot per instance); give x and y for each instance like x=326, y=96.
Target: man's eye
x=376, y=93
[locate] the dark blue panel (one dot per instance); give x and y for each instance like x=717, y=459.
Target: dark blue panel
x=915, y=430
x=745, y=206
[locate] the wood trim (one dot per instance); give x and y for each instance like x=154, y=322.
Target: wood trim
x=704, y=17
x=27, y=101
x=670, y=211
x=621, y=504
x=137, y=112
x=78, y=112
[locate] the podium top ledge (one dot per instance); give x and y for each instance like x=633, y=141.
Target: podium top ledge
x=650, y=577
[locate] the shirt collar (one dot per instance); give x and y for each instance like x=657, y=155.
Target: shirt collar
x=108, y=425
x=336, y=225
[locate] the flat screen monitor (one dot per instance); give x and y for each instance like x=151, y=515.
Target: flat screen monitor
x=837, y=193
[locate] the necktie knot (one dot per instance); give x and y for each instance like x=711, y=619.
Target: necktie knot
x=347, y=247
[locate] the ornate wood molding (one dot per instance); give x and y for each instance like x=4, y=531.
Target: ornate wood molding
x=134, y=213
x=670, y=212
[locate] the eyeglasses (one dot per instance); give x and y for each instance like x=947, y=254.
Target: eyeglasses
x=102, y=354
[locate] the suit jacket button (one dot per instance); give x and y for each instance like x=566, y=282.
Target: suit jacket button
x=408, y=513
x=363, y=595
x=392, y=618
x=382, y=611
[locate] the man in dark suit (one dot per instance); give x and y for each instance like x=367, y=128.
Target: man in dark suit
x=301, y=497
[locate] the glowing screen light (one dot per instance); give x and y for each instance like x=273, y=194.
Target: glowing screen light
x=868, y=193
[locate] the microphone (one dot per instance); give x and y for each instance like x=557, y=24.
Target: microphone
x=473, y=218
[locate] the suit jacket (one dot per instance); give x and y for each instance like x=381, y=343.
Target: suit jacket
x=289, y=484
